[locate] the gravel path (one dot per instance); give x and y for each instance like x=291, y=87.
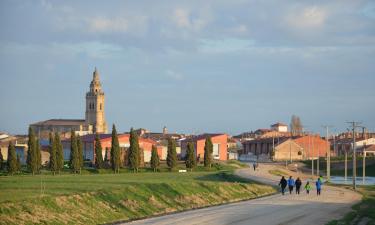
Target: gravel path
x=276, y=209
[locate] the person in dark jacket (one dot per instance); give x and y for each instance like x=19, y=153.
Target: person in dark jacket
x=283, y=184
x=291, y=184
x=298, y=185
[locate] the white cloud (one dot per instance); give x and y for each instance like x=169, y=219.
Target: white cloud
x=184, y=18
x=310, y=17
x=174, y=75
x=102, y=24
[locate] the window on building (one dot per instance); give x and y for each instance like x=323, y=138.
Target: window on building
x=100, y=106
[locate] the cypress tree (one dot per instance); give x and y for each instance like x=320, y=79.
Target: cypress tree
x=38, y=155
x=80, y=154
x=115, y=151
x=12, y=159
x=106, y=159
x=98, y=153
x=155, y=161
x=18, y=163
x=208, y=150
x=52, y=154
x=190, y=157
x=134, y=156
x=31, y=155
x=171, y=154
x=59, y=153
x=74, y=159
x=1, y=160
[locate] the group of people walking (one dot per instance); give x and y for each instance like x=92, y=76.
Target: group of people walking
x=291, y=183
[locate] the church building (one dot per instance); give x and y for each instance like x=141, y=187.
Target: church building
x=94, y=121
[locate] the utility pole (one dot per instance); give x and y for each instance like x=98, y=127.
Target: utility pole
x=328, y=169
x=354, y=125
x=312, y=157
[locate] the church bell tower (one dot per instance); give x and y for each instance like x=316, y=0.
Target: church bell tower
x=95, y=105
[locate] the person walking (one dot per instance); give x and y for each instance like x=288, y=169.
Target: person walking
x=291, y=184
x=283, y=184
x=308, y=187
x=254, y=166
x=298, y=185
x=318, y=185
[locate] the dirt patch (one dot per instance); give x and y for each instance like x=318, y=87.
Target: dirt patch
x=129, y=203
x=153, y=201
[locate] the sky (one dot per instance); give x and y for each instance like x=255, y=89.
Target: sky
x=193, y=66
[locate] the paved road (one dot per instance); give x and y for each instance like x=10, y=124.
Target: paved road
x=276, y=209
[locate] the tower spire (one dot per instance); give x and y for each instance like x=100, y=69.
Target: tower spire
x=95, y=74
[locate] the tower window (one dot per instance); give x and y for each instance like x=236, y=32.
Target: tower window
x=100, y=106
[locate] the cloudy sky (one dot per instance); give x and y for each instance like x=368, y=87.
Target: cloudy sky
x=193, y=66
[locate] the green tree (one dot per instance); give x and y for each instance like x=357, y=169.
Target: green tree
x=52, y=154
x=1, y=160
x=80, y=154
x=31, y=160
x=155, y=161
x=134, y=156
x=12, y=159
x=98, y=153
x=74, y=159
x=106, y=159
x=171, y=154
x=190, y=157
x=18, y=163
x=59, y=153
x=38, y=155
x=115, y=151
x=208, y=150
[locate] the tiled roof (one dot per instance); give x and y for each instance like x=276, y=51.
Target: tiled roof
x=61, y=122
x=278, y=124
x=201, y=137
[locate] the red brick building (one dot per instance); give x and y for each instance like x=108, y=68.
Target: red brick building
x=219, y=141
x=296, y=148
x=106, y=142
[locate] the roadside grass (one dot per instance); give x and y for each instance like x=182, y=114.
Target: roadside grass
x=95, y=198
x=363, y=212
x=370, y=166
x=370, y=171
x=278, y=173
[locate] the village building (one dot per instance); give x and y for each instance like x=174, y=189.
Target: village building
x=19, y=142
x=287, y=148
x=88, y=142
x=343, y=145
x=219, y=141
x=94, y=121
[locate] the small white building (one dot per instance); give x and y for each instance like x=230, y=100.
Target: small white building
x=280, y=127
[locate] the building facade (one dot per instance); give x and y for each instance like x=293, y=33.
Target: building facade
x=219, y=141
x=286, y=148
x=88, y=142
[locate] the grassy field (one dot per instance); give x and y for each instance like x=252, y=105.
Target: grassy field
x=370, y=171
x=277, y=172
x=364, y=212
x=370, y=166
x=101, y=198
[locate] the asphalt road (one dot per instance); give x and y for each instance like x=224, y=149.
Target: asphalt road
x=276, y=209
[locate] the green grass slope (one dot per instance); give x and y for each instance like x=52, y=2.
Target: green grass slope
x=104, y=198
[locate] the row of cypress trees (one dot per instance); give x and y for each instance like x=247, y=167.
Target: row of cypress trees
x=56, y=160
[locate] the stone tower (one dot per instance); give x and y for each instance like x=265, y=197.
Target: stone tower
x=95, y=105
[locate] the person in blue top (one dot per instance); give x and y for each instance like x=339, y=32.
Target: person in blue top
x=318, y=185
x=290, y=184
